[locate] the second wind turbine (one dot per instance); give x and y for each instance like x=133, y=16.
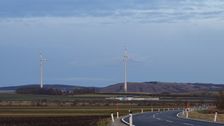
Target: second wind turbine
x=125, y=58
x=42, y=62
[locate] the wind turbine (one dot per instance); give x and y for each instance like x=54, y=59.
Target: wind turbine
x=42, y=62
x=125, y=58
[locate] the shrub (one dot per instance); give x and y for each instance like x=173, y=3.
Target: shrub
x=220, y=101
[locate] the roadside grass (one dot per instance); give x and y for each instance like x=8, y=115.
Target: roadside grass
x=207, y=117
x=103, y=122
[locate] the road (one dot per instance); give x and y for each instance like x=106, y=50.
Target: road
x=168, y=118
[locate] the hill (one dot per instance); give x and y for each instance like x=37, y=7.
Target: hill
x=163, y=87
x=135, y=87
x=48, y=86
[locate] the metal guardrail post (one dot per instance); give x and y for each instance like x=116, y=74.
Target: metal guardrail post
x=112, y=117
x=130, y=119
x=186, y=113
x=215, y=118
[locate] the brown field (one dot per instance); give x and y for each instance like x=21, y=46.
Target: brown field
x=53, y=116
x=62, y=116
x=59, y=116
x=77, y=110
x=51, y=121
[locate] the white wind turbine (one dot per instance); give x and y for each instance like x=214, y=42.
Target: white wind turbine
x=125, y=58
x=42, y=62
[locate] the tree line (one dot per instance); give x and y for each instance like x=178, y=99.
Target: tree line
x=220, y=101
x=54, y=91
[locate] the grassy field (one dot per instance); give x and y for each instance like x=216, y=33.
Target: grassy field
x=208, y=117
x=30, y=97
x=54, y=121
x=68, y=110
x=54, y=116
x=61, y=116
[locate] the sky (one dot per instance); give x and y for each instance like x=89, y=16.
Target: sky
x=84, y=41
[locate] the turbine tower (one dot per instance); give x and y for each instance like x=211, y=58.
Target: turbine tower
x=42, y=62
x=125, y=70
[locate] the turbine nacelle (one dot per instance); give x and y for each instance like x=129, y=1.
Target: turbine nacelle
x=125, y=57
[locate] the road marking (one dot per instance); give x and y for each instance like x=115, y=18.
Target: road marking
x=158, y=118
x=153, y=116
x=188, y=124
x=169, y=121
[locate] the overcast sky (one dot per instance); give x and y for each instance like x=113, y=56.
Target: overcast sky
x=84, y=40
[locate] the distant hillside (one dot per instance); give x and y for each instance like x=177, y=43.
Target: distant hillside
x=163, y=87
x=48, y=86
x=144, y=87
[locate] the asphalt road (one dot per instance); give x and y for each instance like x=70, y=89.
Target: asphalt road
x=168, y=118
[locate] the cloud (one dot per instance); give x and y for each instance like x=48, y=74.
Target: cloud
x=124, y=11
